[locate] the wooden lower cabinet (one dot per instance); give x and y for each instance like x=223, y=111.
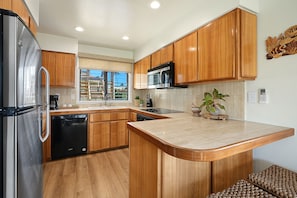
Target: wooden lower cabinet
x=154, y=173
x=118, y=133
x=107, y=130
x=227, y=171
x=99, y=136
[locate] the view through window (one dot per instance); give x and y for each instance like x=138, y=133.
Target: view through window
x=98, y=85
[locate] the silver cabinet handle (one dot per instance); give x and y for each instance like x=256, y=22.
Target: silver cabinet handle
x=47, y=105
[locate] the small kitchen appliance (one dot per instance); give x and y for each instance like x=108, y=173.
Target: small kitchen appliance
x=161, y=76
x=54, y=102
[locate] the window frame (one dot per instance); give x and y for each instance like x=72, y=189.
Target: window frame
x=100, y=102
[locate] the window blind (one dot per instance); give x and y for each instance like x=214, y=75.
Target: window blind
x=105, y=65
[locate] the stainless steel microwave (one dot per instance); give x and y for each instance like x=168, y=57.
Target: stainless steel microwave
x=161, y=76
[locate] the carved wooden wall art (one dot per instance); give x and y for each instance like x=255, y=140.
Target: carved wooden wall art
x=284, y=44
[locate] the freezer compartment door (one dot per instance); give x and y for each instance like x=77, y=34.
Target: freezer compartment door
x=21, y=63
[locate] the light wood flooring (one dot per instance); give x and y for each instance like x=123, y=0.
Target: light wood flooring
x=100, y=175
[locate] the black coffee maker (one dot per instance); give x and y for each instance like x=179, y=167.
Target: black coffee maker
x=54, y=102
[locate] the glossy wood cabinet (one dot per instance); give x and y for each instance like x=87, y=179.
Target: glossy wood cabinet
x=185, y=59
x=227, y=47
x=5, y=4
x=61, y=67
x=107, y=130
x=247, y=45
x=163, y=55
x=19, y=7
x=140, y=72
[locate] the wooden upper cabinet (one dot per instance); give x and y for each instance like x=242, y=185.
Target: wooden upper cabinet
x=163, y=55
x=185, y=59
x=217, y=49
x=137, y=75
x=65, y=69
x=248, y=45
x=19, y=7
x=228, y=47
x=61, y=67
x=156, y=58
x=49, y=62
x=166, y=54
x=5, y=4
x=140, y=72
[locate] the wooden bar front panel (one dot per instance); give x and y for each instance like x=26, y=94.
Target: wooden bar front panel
x=227, y=171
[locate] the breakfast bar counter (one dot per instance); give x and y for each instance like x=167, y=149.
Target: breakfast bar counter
x=189, y=156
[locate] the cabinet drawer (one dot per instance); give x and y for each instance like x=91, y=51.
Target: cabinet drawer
x=96, y=117
x=119, y=115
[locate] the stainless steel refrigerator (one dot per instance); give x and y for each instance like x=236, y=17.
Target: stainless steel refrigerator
x=21, y=110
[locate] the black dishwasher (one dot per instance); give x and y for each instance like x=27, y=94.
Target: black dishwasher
x=69, y=135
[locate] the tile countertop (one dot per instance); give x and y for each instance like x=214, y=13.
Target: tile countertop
x=200, y=139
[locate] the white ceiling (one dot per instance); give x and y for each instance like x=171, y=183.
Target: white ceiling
x=107, y=21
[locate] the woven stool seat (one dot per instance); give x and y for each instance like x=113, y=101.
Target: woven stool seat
x=242, y=189
x=276, y=180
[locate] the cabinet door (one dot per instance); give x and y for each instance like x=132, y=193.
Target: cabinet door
x=5, y=4
x=99, y=136
x=118, y=133
x=145, y=66
x=156, y=59
x=137, y=75
x=65, y=67
x=217, y=45
x=185, y=58
x=19, y=7
x=49, y=62
x=248, y=45
x=166, y=54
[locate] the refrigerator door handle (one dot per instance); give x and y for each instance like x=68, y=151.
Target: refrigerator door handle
x=47, y=106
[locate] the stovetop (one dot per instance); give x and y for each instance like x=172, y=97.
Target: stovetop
x=161, y=110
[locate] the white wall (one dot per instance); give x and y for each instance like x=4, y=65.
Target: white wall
x=57, y=43
x=278, y=76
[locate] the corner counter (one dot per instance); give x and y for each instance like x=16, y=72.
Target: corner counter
x=189, y=156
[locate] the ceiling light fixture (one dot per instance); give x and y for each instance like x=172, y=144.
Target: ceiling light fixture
x=155, y=4
x=79, y=29
x=125, y=38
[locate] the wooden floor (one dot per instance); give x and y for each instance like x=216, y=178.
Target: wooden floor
x=100, y=175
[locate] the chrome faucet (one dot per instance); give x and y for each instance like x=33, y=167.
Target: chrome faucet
x=106, y=97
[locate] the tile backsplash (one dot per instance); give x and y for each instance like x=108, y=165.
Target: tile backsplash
x=182, y=98
x=177, y=98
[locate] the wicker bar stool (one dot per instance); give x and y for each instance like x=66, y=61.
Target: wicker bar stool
x=277, y=180
x=242, y=188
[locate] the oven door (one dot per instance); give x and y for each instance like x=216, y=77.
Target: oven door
x=154, y=79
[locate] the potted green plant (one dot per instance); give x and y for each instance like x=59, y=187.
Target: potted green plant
x=211, y=102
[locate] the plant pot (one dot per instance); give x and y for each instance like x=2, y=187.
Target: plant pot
x=136, y=102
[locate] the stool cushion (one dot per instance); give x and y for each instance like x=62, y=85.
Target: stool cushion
x=277, y=180
x=242, y=188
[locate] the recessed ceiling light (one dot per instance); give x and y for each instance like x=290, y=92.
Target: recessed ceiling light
x=155, y=4
x=79, y=29
x=125, y=38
